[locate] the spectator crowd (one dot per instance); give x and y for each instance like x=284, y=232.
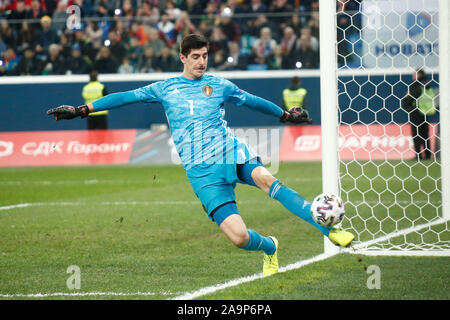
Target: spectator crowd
x=55, y=37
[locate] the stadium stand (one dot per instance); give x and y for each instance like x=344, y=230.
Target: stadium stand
x=126, y=36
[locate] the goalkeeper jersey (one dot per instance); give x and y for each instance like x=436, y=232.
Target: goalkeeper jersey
x=195, y=112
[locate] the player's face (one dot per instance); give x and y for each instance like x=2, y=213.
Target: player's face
x=195, y=63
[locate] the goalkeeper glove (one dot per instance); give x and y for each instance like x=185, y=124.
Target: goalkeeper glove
x=69, y=112
x=296, y=115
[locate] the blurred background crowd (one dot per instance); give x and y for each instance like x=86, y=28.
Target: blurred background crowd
x=41, y=37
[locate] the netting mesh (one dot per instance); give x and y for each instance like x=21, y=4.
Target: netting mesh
x=390, y=174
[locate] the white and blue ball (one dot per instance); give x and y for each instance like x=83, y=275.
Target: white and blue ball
x=327, y=209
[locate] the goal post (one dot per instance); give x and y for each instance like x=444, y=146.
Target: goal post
x=444, y=78
x=368, y=54
x=328, y=104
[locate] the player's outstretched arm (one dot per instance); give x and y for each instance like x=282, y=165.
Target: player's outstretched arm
x=293, y=115
x=110, y=101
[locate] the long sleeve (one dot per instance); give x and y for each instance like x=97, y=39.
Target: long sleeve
x=262, y=105
x=242, y=98
x=115, y=100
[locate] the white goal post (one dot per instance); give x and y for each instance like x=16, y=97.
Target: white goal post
x=329, y=104
x=444, y=73
x=394, y=205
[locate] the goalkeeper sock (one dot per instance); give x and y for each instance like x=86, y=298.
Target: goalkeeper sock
x=257, y=242
x=292, y=201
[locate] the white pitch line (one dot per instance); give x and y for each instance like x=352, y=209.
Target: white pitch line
x=108, y=203
x=184, y=296
x=235, y=282
x=171, y=202
x=63, y=182
x=296, y=265
x=106, y=181
x=82, y=294
x=125, y=203
x=14, y=206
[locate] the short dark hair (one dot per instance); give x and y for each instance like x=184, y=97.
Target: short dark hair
x=93, y=75
x=193, y=41
x=296, y=80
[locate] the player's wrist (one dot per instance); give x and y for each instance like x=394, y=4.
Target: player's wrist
x=285, y=116
x=82, y=111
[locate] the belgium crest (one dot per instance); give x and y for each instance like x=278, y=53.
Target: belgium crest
x=207, y=90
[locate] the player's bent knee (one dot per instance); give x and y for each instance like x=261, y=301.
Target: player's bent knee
x=235, y=229
x=263, y=178
x=241, y=239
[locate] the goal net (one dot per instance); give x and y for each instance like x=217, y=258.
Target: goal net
x=390, y=166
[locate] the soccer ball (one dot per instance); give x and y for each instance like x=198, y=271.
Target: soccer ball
x=327, y=209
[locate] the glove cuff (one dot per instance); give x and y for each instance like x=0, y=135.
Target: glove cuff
x=285, y=116
x=83, y=111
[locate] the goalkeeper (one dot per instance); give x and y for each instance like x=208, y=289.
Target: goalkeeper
x=213, y=158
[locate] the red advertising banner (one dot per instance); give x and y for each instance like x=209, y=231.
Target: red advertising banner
x=298, y=143
x=48, y=148
x=301, y=143
x=362, y=142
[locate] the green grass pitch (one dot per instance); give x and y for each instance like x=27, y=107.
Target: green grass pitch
x=139, y=232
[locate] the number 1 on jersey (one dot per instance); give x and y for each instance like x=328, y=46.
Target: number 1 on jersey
x=242, y=153
x=191, y=107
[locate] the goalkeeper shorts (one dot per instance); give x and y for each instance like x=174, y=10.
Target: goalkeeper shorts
x=216, y=189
